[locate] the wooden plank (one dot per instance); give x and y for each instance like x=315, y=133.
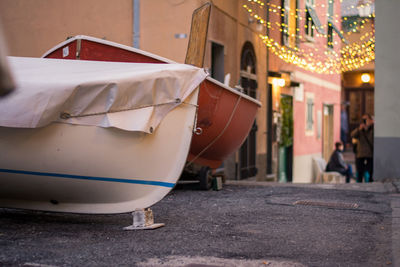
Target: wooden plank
x=198, y=36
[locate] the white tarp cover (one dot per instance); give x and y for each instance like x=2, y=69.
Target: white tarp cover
x=128, y=96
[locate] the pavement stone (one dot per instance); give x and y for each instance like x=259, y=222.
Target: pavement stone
x=241, y=225
x=395, y=204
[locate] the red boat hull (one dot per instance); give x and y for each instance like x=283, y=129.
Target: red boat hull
x=225, y=116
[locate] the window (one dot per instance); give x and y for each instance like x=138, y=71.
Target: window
x=310, y=3
x=289, y=23
x=309, y=113
x=330, y=36
x=330, y=24
x=310, y=109
x=330, y=9
x=312, y=21
x=248, y=70
x=309, y=26
x=332, y=28
x=349, y=24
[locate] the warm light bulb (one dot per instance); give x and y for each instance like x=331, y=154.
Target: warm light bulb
x=365, y=78
x=278, y=82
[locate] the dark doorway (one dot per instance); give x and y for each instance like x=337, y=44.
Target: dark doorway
x=286, y=140
x=361, y=101
x=248, y=78
x=217, y=62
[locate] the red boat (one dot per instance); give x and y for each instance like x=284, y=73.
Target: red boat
x=225, y=115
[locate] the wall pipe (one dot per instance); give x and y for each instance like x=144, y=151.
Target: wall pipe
x=136, y=24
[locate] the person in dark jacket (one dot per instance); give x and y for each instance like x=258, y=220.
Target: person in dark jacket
x=365, y=148
x=337, y=164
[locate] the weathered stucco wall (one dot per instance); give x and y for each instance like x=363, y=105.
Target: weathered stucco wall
x=31, y=27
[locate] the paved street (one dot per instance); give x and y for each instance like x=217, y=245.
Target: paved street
x=242, y=225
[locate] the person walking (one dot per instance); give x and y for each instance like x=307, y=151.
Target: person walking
x=336, y=163
x=365, y=148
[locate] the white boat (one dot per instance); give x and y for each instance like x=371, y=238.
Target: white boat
x=95, y=137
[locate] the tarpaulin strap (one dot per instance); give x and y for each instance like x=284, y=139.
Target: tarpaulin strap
x=66, y=115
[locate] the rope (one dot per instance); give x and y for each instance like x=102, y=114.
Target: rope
x=65, y=115
x=218, y=136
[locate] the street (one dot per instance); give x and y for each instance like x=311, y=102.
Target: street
x=241, y=225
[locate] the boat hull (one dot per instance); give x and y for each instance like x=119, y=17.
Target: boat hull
x=88, y=169
x=225, y=120
x=225, y=116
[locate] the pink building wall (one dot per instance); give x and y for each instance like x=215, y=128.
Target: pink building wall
x=326, y=88
x=304, y=144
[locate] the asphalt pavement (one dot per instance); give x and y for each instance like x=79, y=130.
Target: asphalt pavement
x=244, y=224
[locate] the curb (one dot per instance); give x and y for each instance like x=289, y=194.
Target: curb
x=376, y=187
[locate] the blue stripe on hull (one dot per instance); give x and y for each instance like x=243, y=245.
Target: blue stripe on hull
x=91, y=178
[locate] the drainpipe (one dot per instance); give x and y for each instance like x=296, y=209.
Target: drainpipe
x=136, y=23
x=269, y=130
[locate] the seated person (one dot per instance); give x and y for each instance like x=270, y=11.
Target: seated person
x=336, y=163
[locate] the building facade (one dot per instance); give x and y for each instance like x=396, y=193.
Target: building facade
x=305, y=97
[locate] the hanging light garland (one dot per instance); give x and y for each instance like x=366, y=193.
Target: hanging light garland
x=350, y=57
x=279, y=11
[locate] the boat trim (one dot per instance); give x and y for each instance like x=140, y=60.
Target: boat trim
x=102, y=41
x=90, y=178
x=252, y=99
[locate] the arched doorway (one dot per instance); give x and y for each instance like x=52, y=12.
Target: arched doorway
x=248, y=81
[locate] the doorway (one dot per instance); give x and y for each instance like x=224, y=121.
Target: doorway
x=217, y=62
x=327, y=132
x=248, y=81
x=361, y=101
x=286, y=139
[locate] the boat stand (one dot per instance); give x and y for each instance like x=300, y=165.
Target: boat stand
x=143, y=219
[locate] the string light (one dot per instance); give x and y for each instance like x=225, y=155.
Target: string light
x=264, y=5
x=350, y=57
x=279, y=11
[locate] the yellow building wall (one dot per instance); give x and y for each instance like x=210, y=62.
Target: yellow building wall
x=159, y=22
x=31, y=27
x=229, y=26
